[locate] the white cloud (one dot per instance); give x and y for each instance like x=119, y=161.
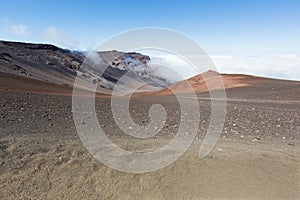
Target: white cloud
x=16, y=29
x=280, y=66
x=19, y=29
x=171, y=67
x=52, y=35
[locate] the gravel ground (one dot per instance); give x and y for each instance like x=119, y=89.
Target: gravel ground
x=257, y=156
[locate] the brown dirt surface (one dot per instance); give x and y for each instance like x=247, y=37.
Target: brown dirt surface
x=257, y=156
x=216, y=81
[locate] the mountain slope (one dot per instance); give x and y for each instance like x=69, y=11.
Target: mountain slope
x=48, y=63
x=39, y=61
x=236, y=86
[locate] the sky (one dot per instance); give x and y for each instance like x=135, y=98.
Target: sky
x=255, y=37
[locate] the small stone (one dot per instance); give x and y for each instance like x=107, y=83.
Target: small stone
x=242, y=136
x=256, y=139
x=283, y=137
x=130, y=127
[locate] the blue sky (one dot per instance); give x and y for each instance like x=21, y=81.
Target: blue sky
x=263, y=28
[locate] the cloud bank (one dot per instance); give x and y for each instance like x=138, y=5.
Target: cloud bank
x=277, y=66
x=170, y=67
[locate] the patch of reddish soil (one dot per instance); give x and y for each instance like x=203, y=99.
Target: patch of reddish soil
x=211, y=80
